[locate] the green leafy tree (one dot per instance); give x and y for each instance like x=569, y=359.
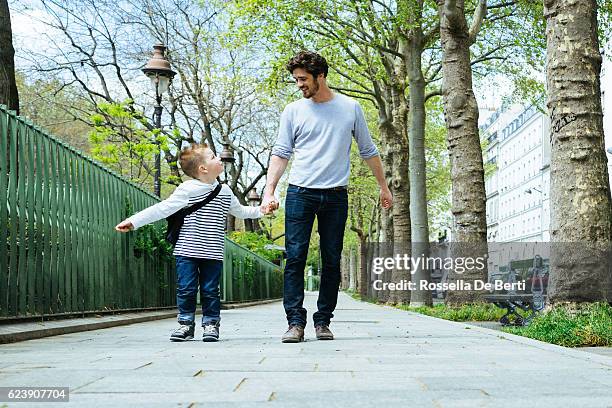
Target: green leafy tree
x=45, y=102
x=121, y=141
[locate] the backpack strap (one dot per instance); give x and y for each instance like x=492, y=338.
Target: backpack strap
x=200, y=204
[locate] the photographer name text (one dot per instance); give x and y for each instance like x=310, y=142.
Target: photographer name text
x=458, y=285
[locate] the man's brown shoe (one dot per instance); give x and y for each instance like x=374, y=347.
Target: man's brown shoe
x=323, y=332
x=294, y=334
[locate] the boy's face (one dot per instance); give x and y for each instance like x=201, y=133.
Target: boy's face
x=213, y=166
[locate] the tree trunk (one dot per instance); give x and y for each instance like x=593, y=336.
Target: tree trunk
x=252, y=225
x=8, y=87
x=344, y=269
x=418, y=192
x=401, y=217
x=401, y=205
x=386, y=221
x=364, y=278
x=467, y=172
x=231, y=223
x=579, y=186
x=385, y=240
x=352, y=269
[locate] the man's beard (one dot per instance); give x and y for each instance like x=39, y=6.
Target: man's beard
x=311, y=92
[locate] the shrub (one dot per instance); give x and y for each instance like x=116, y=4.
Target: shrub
x=584, y=325
x=255, y=242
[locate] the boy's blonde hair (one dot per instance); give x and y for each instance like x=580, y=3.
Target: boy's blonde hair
x=191, y=157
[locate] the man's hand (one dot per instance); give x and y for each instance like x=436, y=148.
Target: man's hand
x=386, y=198
x=269, y=200
x=276, y=169
x=124, y=226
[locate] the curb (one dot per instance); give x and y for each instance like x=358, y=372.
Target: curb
x=30, y=331
x=239, y=305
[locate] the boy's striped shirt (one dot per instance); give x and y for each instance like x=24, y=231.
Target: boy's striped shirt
x=202, y=233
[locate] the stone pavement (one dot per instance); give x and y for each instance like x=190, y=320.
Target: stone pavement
x=382, y=357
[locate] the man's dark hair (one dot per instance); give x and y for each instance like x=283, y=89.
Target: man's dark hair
x=310, y=61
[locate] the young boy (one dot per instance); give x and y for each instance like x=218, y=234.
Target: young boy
x=199, y=249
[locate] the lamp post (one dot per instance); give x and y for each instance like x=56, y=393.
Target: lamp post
x=253, y=198
x=159, y=72
x=227, y=158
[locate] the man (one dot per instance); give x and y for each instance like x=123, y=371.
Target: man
x=319, y=130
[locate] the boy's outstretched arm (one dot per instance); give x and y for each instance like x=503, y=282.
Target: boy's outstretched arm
x=156, y=212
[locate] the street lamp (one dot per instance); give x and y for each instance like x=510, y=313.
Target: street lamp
x=253, y=198
x=159, y=72
x=227, y=158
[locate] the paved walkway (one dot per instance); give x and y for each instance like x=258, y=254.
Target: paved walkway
x=382, y=357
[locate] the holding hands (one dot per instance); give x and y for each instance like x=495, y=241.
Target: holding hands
x=269, y=207
x=269, y=204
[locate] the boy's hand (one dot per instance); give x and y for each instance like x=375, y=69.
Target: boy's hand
x=124, y=226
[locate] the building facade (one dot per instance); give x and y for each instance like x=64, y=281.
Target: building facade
x=518, y=187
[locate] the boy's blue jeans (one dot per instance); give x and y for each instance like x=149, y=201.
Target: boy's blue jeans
x=192, y=273
x=331, y=209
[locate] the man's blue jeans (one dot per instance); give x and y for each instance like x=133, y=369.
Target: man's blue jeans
x=331, y=209
x=206, y=272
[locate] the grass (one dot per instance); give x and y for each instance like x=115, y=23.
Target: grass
x=466, y=313
x=583, y=326
x=476, y=312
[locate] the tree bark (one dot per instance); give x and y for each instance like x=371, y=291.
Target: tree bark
x=9, y=95
x=385, y=237
x=579, y=186
x=467, y=171
x=386, y=218
x=344, y=269
x=352, y=269
x=398, y=150
x=417, y=163
x=364, y=279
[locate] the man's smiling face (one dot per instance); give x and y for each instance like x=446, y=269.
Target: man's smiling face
x=306, y=82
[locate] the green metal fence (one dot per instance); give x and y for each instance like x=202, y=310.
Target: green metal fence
x=59, y=252
x=248, y=276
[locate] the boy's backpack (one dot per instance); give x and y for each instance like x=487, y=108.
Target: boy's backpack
x=176, y=220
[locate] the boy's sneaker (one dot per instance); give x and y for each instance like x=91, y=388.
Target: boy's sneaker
x=211, y=332
x=184, y=332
